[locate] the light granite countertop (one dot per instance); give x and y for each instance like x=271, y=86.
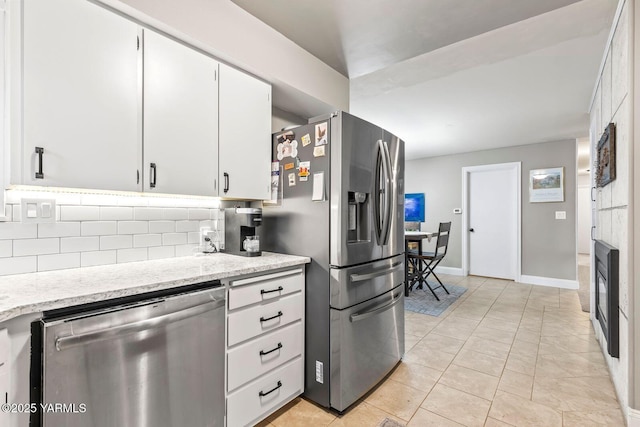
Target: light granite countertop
x=36, y=292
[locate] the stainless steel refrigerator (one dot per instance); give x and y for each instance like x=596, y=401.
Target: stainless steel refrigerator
x=338, y=197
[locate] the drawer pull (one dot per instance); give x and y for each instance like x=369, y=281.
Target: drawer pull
x=265, y=319
x=264, y=353
x=262, y=291
x=264, y=393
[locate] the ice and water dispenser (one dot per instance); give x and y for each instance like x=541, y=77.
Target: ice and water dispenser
x=358, y=217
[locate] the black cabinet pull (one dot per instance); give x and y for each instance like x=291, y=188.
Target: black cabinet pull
x=262, y=291
x=264, y=353
x=265, y=319
x=39, y=152
x=152, y=175
x=264, y=393
x=226, y=182
x=471, y=230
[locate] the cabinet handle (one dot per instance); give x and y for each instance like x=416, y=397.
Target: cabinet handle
x=226, y=182
x=593, y=228
x=264, y=353
x=39, y=152
x=593, y=199
x=152, y=175
x=265, y=319
x=264, y=393
x=262, y=291
x=138, y=176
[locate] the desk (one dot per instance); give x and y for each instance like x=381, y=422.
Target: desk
x=413, y=236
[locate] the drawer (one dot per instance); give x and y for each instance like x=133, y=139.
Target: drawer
x=249, y=291
x=257, y=357
x=253, y=402
x=256, y=320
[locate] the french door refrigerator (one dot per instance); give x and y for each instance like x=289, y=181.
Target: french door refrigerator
x=338, y=197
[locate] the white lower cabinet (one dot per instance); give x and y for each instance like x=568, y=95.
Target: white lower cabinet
x=265, y=344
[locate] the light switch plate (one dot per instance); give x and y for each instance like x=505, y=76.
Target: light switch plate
x=32, y=210
x=561, y=215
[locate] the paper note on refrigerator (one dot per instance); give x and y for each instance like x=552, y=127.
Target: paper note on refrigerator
x=318, y=186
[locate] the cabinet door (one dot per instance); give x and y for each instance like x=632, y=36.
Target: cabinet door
x=80, y=96
x=245, y=135
x=180, y=118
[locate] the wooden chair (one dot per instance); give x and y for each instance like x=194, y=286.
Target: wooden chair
x=422, y=265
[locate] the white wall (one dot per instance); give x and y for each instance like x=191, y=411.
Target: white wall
x=584, y=219
x=613, y=103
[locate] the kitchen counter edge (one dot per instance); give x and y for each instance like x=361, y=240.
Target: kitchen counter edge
x=36, y=292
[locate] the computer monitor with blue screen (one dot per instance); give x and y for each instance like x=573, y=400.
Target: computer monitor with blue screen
x=414, y=207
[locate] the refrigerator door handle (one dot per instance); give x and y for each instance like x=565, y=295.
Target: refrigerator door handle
x=388, y=193
x=377, y=273
x=365, y=315
x=377, y=190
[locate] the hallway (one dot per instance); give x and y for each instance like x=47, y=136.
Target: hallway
x=505, y=354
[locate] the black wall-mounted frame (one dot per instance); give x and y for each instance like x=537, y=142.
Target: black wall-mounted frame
x=606, y=168
x=607, y=312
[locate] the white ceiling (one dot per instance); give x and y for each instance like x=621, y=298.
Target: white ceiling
x=451, y=76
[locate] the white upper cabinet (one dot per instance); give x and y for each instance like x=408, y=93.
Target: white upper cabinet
x=80, y=102
x=180, y=118
x=245, y=135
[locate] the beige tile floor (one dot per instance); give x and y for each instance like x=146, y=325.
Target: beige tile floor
x=504, y=354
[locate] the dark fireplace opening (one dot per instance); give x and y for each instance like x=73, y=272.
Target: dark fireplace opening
x=606, y=276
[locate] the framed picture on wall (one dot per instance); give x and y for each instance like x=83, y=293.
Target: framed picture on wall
x=606, y=171
x=546, y=185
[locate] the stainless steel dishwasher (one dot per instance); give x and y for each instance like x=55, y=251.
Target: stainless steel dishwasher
x=155, y=362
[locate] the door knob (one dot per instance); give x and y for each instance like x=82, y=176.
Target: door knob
x=471, y=230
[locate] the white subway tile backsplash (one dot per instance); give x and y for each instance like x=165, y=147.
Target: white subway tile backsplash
x=58, y=229
x=98, y=228
x=18, y=265
x=79, y=244
x=18, y=230
x=36, y=247
x=174, y=239
x=58, y=261
x=132, y=255
x=116, y=213
x=161, y=252
x=176, y=214
x=186, y=250
x=6, y=248
x=186, y=226
x=95, y=230
x=133, y=227
x=162, y=226
x=193, y=237
x=199, y=214
x=116, y=242
x=79, y=213
x=145, y=240
x=148, y=214
x=90, y=259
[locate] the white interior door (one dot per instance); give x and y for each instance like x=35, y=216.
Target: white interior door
x=493, y=223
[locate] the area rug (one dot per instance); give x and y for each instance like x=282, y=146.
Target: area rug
x=422, y=300
x=387, y=422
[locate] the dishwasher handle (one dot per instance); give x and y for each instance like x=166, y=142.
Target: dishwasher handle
x=64, y=343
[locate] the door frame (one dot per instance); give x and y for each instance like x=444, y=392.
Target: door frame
x=514, y=167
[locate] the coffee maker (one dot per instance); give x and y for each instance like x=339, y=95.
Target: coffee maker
x=240, y=234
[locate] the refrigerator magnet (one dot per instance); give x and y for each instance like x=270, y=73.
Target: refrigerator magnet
x=292, y=179
x=321, y=133
x=287, y=149
x=303, y=171
x=306, y=140
x=286, y=136
x=319, y=151
x=288, y=166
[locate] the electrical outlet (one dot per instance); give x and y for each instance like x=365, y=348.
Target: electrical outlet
x=203, y=234
x=561, y=215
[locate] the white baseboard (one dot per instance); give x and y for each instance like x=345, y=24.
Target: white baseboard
x=633, y=417
x=454, y=271
x=549, y=281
